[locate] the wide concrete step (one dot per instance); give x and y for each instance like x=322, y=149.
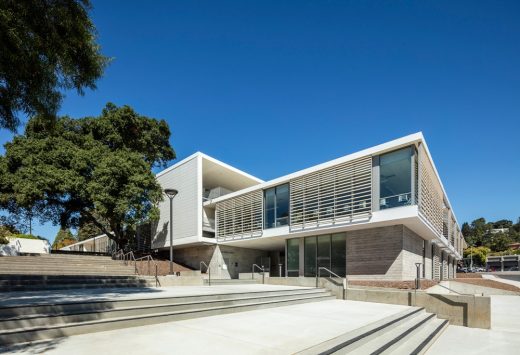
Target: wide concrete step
x=169, y=305
x=50, y=307
x=421, y=340
x=231, y=281
x=411, y=331
x=46, y=326
x=25, y=282
x=387, y=342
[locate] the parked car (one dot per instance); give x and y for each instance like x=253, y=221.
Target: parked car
x=514, y=268
x=462, y=270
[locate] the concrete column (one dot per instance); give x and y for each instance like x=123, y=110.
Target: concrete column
x=501, y=263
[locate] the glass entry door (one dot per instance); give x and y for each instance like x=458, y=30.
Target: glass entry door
x=329, y=251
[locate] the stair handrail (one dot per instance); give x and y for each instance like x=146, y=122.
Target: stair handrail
x=344, y=279
x=208, y=270
x=261, y=268
x=116, y=255
x=148, y=258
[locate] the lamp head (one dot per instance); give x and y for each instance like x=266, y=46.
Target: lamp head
x=171, y=193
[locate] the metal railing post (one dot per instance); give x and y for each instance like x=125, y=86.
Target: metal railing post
x=261, y=269
x=208, y=270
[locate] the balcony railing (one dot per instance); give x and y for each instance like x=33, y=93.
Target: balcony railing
x=395, y=201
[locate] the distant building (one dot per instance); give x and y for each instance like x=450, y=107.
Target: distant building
x=499, y=230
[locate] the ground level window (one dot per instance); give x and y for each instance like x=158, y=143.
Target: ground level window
x=293, y=257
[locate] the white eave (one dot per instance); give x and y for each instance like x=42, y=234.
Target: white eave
x=213, y=160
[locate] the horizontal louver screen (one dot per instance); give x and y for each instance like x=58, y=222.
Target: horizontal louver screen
x=240, y=217
x=338, y=194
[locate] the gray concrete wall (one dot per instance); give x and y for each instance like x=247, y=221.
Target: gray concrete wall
x=466, y=288
x=469, y=311
x=335, y=287
x=226, y=262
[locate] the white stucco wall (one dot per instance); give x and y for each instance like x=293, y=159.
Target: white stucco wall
x=21, y=245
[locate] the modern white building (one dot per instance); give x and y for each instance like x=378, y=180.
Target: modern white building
x=372, y=214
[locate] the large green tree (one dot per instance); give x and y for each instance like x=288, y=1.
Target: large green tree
x=46, y=46
x=91, y=170
x=63, y=238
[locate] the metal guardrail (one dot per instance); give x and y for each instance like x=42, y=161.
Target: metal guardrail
x=261, y=268
x=208, y=270
x=344, y=279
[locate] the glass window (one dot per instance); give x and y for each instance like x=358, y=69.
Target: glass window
x=395, y=174
x=276, y=201
x=293, y=257
x=310, y=257
x=338, y=260
x=324, y=252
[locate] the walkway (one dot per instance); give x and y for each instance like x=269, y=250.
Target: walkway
x=502, y=338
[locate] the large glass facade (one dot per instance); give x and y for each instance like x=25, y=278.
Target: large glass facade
x=293, y=257
x=395, y=176
x=309, y=265
x=328, y=251
x=276, y=210
x=338, y=249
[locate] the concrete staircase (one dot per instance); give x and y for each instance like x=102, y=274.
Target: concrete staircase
x=32, y=322
x=409, y=332
x=58, y=271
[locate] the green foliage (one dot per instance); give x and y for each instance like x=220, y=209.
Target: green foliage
x=88, y=229
x=5, y=232
x=482, y=233
x=26, y=236
x=63, y=238
x=90, y=170
x=479, y=254
x=45, y=47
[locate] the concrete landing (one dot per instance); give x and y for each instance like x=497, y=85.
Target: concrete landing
x=502, y=338
x=282, y=330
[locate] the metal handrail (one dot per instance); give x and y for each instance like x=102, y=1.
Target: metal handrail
x=261, y=268
x=117, y=254
x=208, y=270
x=149, y=258
x=318, y=275
x=129, y=257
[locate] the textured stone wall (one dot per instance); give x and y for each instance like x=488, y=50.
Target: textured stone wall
x=375, y=253
x=412, y=254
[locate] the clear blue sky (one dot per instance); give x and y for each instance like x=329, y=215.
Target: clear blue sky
x=274, y=87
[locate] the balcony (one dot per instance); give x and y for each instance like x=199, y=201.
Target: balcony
x=209, y=194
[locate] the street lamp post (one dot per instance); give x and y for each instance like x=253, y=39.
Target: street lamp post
x=171, y=193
